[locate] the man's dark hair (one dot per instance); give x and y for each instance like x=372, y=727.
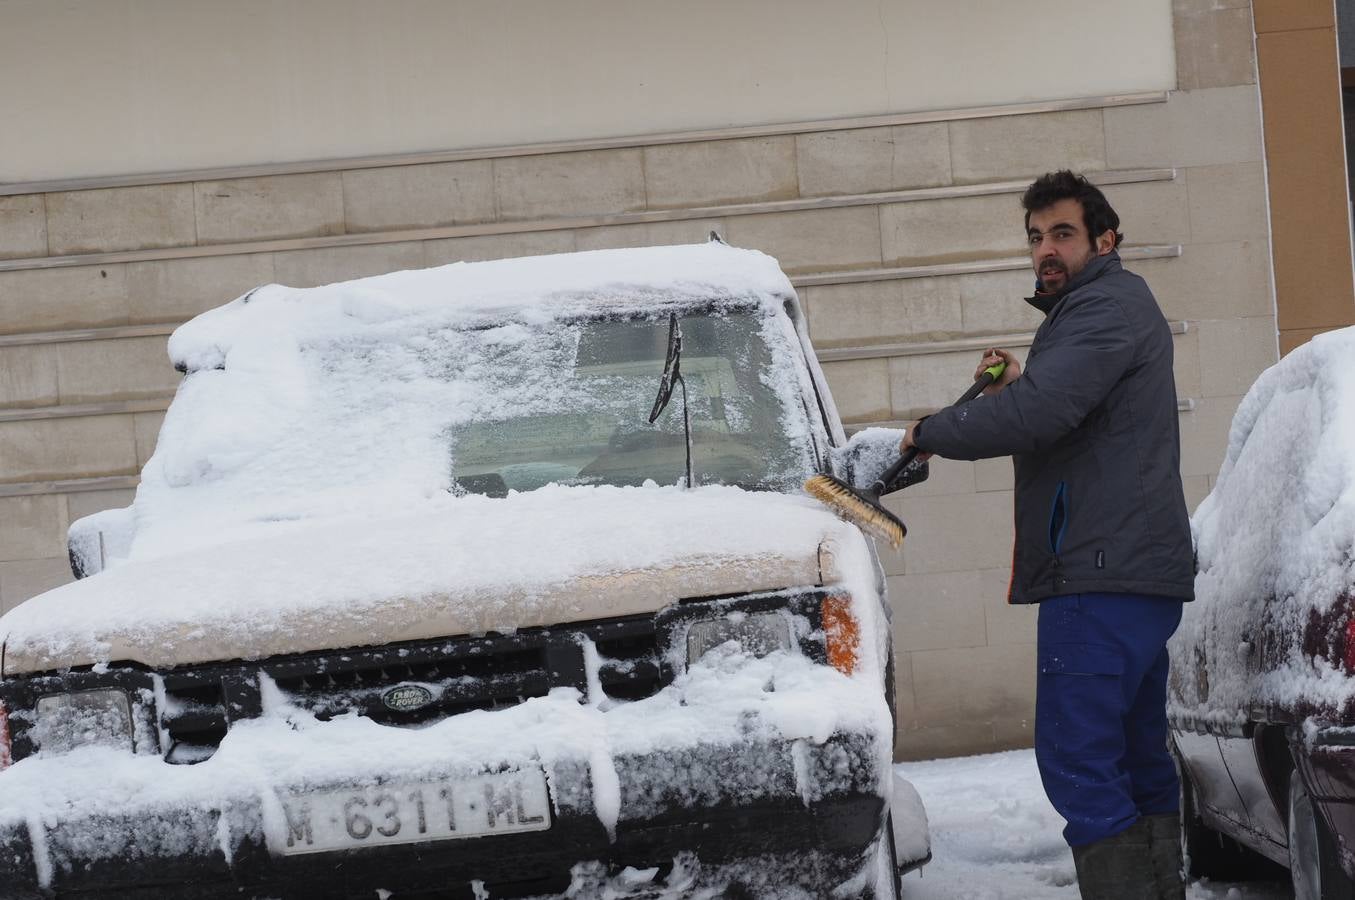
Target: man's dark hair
x=1050, y=188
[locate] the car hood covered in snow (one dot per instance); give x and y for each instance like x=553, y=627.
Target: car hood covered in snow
x=457, y=565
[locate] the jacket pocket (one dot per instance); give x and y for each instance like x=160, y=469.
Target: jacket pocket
x=1058, y=518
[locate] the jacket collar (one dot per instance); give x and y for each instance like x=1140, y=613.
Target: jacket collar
x=1100, y=265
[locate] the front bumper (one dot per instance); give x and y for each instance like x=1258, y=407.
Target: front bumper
x=787, y=803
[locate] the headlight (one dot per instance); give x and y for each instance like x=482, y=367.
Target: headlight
x=67, y=721
x=757, y=633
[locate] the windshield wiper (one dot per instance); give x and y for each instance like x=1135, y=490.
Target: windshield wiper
x=672, y=374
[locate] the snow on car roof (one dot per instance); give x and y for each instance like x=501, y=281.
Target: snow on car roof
x=553, y=286
x=1275, y=537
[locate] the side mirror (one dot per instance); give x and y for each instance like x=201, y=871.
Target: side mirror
x=95, y=539
x=866, y=456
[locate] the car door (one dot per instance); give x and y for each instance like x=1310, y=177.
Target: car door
x=1242, y=747
x=1197, y=742
x=1242, y=754
x=1215, y=797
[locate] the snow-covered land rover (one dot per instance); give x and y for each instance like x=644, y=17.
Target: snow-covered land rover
x=489, y=580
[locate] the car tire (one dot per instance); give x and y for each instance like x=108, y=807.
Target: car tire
x=1314, y=868
x=1212, y=854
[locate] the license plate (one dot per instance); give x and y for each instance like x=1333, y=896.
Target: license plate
x=410, y=812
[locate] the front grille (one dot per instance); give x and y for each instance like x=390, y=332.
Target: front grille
x=484, y=673
x=194, y=706
x=454, y=675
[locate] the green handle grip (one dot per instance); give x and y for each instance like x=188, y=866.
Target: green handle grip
x=986, y=377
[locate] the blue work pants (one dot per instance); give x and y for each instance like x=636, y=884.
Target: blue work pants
x=1100, y=711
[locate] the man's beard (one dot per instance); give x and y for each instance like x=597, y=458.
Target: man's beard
x=1053, y=267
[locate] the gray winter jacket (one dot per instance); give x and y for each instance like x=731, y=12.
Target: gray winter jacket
x=1091, y=425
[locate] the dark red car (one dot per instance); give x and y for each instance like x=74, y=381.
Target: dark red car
x=1262, y=697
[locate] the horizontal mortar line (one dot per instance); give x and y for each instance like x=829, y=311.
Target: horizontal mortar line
x=845, y=276
x=75, y=335
x=81, y=410
x=1184, y=404
x=482, y=229
x=956, y=345
x=572, y=146
x=976, y=267
x=837, y=354
x=69, y=485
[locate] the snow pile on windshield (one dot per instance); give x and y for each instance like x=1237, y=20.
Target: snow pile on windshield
x=353, y=397
x=1274, y=541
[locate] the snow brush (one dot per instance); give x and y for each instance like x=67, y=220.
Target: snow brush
x=862, y=507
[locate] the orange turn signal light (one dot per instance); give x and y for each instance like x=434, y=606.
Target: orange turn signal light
x=842, y=634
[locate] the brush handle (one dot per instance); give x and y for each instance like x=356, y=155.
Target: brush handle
x=894, y=471
x=988, y=376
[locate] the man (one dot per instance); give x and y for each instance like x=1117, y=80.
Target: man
x=1102, y=535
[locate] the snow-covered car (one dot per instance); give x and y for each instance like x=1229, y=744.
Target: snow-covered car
x=1262, y=702
x=493, y=579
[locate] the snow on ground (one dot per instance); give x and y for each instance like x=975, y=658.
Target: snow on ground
x=995, y=836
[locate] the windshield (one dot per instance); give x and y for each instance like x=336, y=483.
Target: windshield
x=568, y=403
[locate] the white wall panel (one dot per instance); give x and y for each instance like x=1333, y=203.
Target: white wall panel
x=111, y=87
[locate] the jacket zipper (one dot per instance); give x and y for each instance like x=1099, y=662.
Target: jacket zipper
x=1058, y=526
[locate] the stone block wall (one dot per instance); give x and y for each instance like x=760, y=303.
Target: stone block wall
x=903, y=236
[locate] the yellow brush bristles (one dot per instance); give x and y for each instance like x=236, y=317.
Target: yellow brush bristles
x=856, y=509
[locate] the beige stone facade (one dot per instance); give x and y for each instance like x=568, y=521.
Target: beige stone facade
x=96, y=88
x=902, y=233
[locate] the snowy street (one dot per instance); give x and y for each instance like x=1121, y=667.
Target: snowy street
x=995, y=836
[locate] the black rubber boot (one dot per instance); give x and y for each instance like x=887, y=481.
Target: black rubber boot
x=1119, y=867
x=1164, y=840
